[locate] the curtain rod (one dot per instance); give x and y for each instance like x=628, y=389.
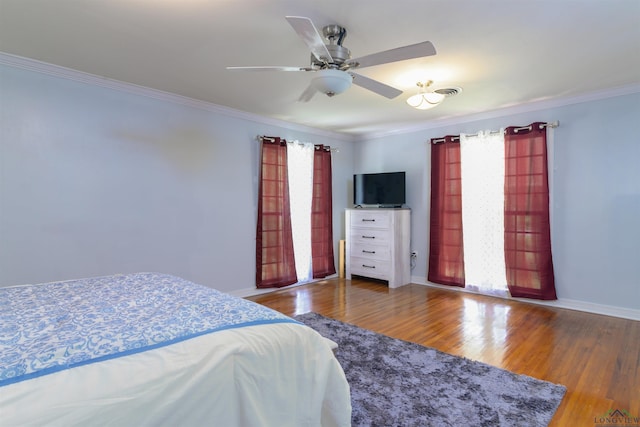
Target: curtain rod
x=265, y=138
x=271, y=139
x=516, y=130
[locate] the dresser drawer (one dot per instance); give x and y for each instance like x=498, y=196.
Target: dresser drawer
x=370, y=219
x=370, y=268
x=368, y=251
x=369, y=236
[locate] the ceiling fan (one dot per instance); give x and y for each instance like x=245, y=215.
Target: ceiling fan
x=333, y=65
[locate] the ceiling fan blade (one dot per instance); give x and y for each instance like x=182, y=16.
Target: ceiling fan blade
x=307, y=94
x=270, y=68
x=417, y=50
x=311, y=37
x=375, y=86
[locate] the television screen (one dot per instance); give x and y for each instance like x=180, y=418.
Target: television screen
x=384, y=189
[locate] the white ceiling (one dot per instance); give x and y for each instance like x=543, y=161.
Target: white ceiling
x=501, y=52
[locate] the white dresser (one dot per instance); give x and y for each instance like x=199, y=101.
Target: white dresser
x=378, y=244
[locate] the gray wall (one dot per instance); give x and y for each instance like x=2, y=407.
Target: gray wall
x=97, y=181
x=595, y=186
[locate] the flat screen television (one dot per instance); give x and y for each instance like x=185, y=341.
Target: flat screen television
x=385, y=189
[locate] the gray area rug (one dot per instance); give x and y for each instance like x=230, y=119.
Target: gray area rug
x=398, y=383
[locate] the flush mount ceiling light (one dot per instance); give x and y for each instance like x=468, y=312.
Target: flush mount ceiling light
x=426, y=99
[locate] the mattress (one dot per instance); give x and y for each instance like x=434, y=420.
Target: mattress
x=154, y=349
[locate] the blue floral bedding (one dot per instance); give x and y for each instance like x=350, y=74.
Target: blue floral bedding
x=55, y=326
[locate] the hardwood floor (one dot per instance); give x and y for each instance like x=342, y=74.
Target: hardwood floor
x=596, y=357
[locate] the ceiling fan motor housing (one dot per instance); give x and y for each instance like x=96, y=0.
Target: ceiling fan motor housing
x=335, y=34
x=340, y=54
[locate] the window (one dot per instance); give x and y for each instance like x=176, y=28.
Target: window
x=490, y=212
x=294, y=236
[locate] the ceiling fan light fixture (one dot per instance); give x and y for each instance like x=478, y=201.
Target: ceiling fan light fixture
x=424, y=99
x=331, y=82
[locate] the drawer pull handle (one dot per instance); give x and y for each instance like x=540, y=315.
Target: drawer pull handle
x=368, y=266
x=368, y=252
x=368, y=237
x=368, y=220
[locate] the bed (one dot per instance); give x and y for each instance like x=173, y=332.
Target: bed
x=150, y=349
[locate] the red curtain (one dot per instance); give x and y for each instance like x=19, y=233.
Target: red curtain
x=275, y=262
x=446, y=255
x=527, y=235
x=323, y=263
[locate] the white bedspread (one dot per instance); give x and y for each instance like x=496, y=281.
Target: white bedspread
x=282, y=374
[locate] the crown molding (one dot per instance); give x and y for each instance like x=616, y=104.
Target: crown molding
x=92, y=79
x=510, y=110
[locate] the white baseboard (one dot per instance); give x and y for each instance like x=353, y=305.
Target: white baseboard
x=589, y=307
x=249, y=292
